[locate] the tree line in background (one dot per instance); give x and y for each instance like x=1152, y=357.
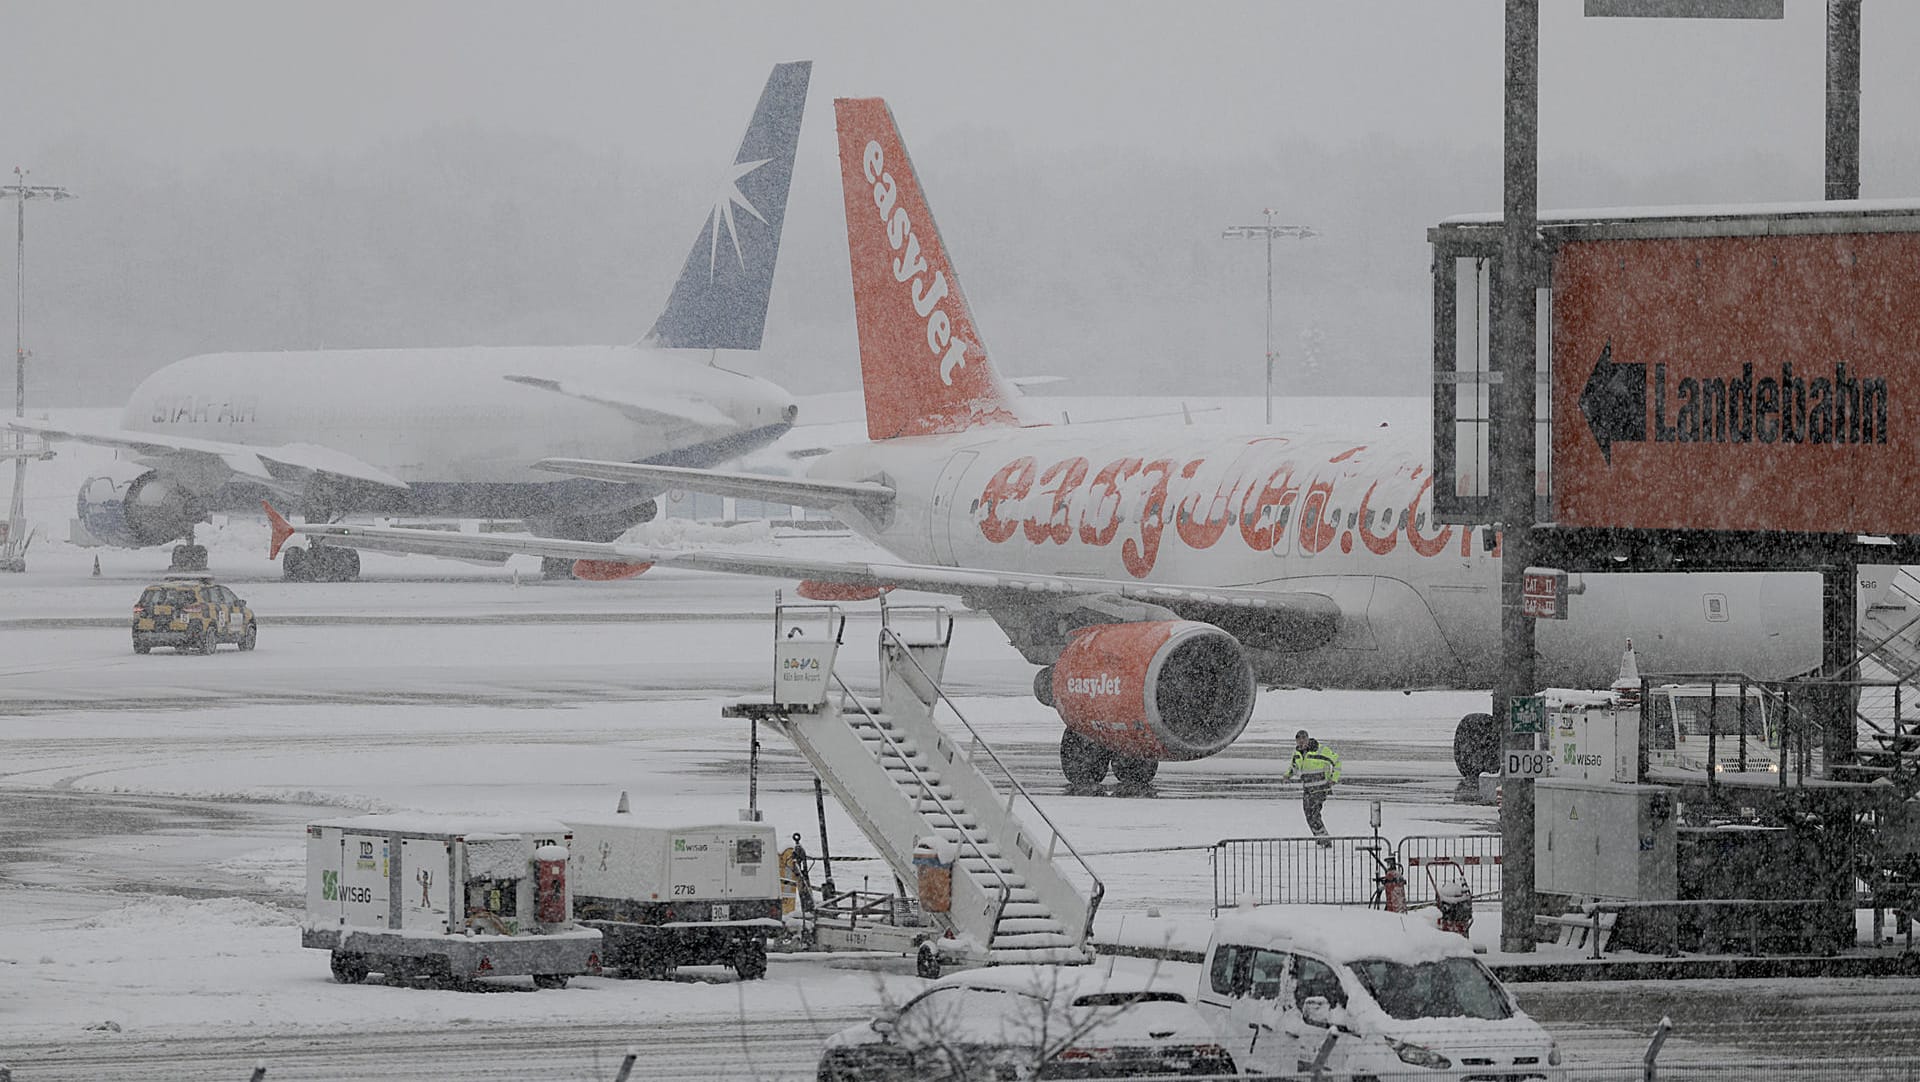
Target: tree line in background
x=1103, y=265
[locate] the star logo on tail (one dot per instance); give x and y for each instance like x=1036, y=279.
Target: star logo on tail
x=722, y=215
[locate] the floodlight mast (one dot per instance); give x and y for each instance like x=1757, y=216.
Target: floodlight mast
x=1267, y=232
x=13, y=551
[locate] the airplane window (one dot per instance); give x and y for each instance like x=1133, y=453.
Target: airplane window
x=1403, y=519
x=1284, y=513
x=1351, y=519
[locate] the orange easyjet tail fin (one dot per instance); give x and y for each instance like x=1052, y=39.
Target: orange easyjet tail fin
x=921, y=358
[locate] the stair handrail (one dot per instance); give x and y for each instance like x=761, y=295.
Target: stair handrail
x=1006, y=888
x=980, y=743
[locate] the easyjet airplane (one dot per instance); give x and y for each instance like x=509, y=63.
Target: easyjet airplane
x=1157, y=576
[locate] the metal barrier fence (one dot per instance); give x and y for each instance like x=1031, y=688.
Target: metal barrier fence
x=1345, y=870
x=1315, y=871
x=1477, y=855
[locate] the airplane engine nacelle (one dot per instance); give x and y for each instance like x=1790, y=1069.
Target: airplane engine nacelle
x=149, y=510
x=1167, y=689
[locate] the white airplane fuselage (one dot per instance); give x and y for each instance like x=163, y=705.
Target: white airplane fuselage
x=1348, y=519
x=450, y=416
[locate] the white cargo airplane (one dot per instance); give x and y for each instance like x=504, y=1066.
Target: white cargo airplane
x=450, y=432
x=1157, y=575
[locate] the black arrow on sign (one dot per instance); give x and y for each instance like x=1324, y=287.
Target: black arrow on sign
x=1615, y=403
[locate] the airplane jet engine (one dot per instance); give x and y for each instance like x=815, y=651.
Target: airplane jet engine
x=148, y=510
x=1137, y=694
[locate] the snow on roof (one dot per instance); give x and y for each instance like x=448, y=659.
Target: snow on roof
x=631, y=823
x=1048, y=980
x=426, y=823
x=1572, y=697
x=1341, y=935
x=1811, y=208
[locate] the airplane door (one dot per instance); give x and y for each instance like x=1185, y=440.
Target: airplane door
x=941, y=515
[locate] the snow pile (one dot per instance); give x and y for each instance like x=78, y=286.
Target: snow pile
x=164, y=912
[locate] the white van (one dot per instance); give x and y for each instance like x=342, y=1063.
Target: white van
x=1401, y=999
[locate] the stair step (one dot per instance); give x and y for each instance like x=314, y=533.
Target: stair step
x=1062, y=956
x=1028, y=926
x=1031, y=940
x=1020, y=908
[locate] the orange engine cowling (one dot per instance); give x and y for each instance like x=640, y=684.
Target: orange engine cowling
x=606, y=570
x=1171, y=689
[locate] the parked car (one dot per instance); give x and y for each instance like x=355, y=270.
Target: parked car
x=1029, y=1022
x=1384, y=995
x=192, y=615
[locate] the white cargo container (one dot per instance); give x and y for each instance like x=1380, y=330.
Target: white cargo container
x=443, y=897
x=673, y=896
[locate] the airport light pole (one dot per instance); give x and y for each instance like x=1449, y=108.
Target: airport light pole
x=13, y=552
x=1267, y=232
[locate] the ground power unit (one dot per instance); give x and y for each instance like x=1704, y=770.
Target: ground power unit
x=446, y=899
x=674, y=896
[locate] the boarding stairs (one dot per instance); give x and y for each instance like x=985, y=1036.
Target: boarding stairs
x=1887, y=709
x=1019, y=893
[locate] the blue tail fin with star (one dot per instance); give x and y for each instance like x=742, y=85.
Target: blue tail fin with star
x=720, y=301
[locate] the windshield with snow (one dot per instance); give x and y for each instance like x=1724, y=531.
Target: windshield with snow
x=1449, y=988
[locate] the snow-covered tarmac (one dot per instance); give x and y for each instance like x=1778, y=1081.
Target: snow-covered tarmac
x=151, y=850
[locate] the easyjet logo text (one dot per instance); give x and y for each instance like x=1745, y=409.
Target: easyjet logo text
x=910, y=265
x=1093, y=686
x=1275, y=506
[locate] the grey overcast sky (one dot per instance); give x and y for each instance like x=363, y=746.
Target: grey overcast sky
x=1004, y=103
x=184, y=82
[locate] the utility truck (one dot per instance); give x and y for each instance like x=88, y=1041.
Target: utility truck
x=444, y=898
x=667, y=896
x=1688, y=728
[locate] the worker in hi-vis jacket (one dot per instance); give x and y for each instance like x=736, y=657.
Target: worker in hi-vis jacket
x=1317, y=768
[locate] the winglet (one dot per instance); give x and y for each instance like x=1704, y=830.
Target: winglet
x=282, y=529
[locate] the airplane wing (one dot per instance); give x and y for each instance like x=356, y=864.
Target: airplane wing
x=279, y=467
x=871, y=497
x=664, y=412
x=1286, y=619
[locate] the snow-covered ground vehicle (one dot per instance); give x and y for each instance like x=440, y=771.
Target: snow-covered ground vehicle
x=1379, y=994
x=443, y=897
x=674, y=896
x=1029, y=1022
x=1596, y=735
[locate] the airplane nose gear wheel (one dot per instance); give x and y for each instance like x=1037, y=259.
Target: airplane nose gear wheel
x=1083, y=761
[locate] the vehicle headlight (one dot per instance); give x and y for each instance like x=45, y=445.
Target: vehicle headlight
x=1418, y=1055
x=1553, y=1053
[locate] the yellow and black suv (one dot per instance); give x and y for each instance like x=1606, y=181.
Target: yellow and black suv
x=192, y=616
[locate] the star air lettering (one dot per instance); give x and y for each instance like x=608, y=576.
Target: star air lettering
x=204, y=409
x=1262, y=505
x=926, y=295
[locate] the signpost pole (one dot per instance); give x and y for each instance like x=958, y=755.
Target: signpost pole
x=1513, y=434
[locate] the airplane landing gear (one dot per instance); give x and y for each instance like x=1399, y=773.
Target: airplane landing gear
x=1083, y=761
x=1476, y=746
x=320, y=563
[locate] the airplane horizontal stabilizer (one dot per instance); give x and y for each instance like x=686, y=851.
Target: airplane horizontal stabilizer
x=871, y=497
